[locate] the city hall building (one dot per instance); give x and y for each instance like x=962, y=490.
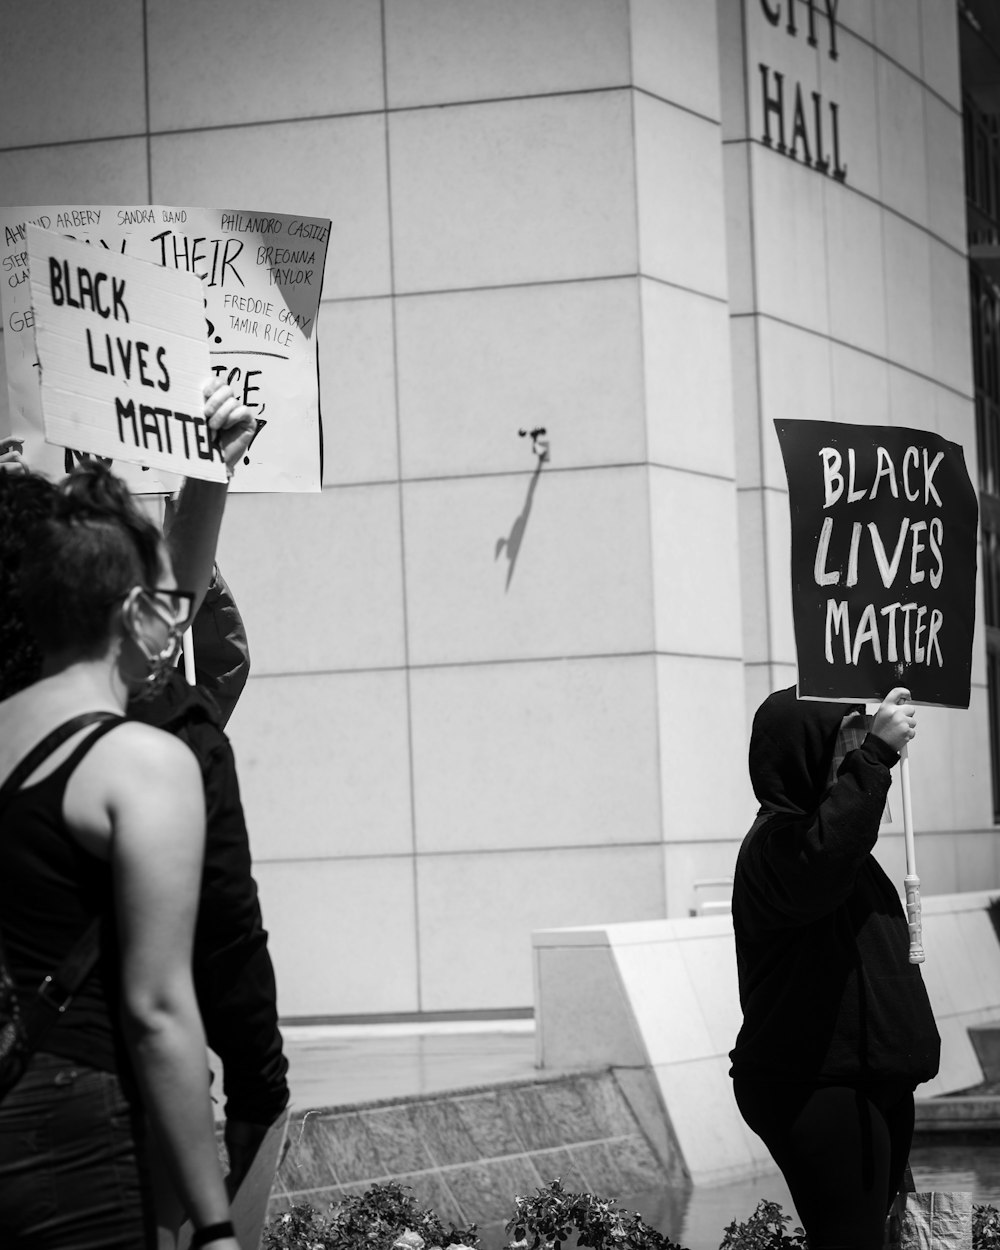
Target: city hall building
x=583, y=255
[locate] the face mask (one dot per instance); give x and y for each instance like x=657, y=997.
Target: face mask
x=173, y=610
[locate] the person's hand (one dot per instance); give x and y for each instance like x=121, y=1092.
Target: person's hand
x=231, y=422
x=11, y=460
x=895, y=721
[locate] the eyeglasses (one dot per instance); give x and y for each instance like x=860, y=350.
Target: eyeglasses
x=174, y=607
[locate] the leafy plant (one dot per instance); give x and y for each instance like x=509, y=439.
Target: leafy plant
x=985, y=1228
x=764, y=1230
x=546, y=1219
x=381, y=1215
x=384, y=1217
x=387, y=1217
x=299, y=1228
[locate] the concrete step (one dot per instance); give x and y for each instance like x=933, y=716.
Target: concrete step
x=985, y=1040
x=974, y=1110
x=958, y=1113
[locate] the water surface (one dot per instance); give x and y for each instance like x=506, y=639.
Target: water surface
x=697, y=1218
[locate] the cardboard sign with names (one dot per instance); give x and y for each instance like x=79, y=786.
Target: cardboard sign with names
x=122, y=357
x=261, y=282
x=885, y=528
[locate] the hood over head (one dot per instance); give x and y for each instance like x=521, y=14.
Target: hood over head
x=791, y=748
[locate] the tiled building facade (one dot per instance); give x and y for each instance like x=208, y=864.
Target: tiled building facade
x=492, y=693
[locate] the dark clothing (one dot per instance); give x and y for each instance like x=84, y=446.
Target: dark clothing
x=72, y=1169
x=842, y=1151
x=233, y=974
x=837, y=1026
x=221, y=652
x=791, y=745
x=50, y=890
x=822, y=942
x=72, y=1166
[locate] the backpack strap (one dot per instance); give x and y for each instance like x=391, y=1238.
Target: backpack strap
x=56, y=990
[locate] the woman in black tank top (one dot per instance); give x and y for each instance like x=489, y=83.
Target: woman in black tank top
x=109, y=826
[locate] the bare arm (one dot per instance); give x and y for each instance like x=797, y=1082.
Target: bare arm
x=192, y=523
x=157, y=813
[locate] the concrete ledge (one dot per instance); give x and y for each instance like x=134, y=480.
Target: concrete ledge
x=986, y=1043
x=660, y=998
x=655, y=998
x=962, y=1113
x=468, y=1152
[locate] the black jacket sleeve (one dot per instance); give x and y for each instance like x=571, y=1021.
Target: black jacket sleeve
x=233, y=974
x=801, y=868
x=221, y=652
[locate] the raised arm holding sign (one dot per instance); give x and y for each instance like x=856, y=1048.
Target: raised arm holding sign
x=837, y=1025
x=109, y=365
x=895, y=723
x=884, y=534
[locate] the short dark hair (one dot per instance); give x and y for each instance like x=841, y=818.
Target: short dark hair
x=81, y=560
x=25, y=500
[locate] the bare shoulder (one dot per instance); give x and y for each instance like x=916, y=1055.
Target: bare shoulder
x=145, y=752
x=136, y=781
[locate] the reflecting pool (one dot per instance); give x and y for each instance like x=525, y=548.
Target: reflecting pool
x=696, y=1219
x=972, y=1164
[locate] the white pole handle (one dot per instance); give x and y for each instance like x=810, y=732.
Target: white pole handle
x=187, y=641
x=911, y=881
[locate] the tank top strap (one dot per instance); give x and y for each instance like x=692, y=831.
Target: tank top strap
x=81, y=748
x=42, y=750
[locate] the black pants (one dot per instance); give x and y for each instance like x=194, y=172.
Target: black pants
x=842, y=1151
x=72, y=1162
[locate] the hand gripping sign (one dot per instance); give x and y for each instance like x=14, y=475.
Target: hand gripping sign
x=884, y=524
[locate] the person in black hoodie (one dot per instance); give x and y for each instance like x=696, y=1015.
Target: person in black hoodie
x=234, y=976
x=837, y=1026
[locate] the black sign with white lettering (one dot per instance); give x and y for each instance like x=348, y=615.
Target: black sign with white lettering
x=884, y=536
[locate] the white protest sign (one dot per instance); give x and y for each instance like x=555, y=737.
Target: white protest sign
x=122, y=357
x=261, y=276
